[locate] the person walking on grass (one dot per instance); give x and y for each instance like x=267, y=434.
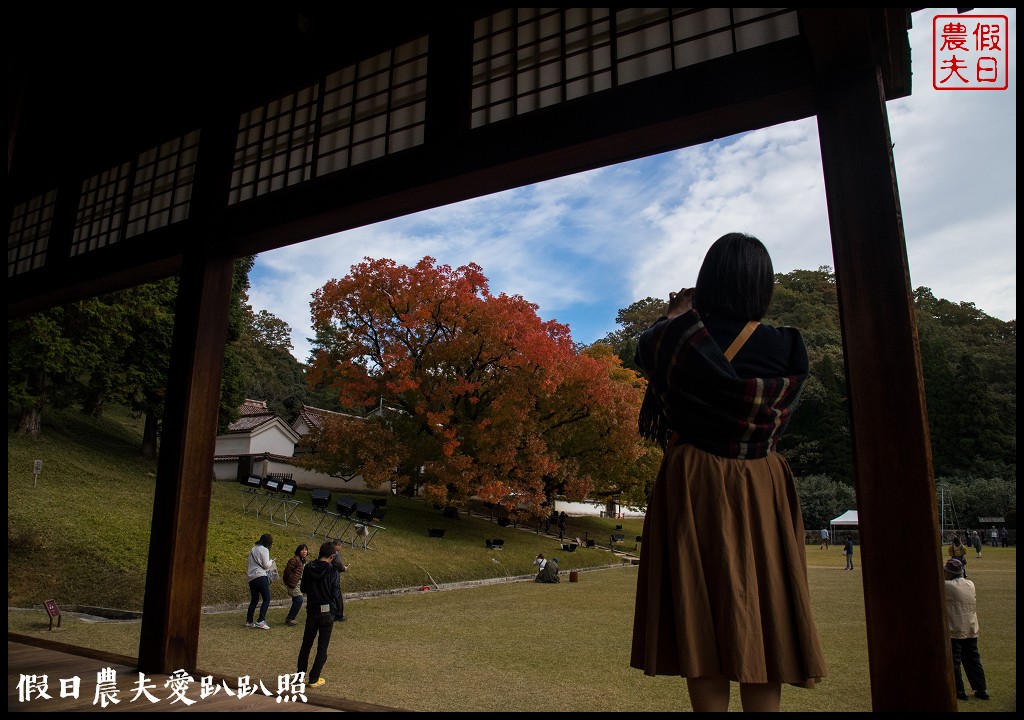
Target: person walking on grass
x=292, y=578
x=260, y=567
x=322, y=587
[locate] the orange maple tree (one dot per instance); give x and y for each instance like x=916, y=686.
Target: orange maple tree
x=468, y=393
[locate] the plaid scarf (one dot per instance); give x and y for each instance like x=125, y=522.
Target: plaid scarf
x=693, y=390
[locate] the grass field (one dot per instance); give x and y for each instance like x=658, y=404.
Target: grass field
x=94, y=495
x=508, y=646
x=512, y=646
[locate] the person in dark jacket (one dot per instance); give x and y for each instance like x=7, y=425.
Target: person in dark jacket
x=292, y=578
x=322, y=587
x=548, y=572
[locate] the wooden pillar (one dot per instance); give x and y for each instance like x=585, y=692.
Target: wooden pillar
x=181, y=506
x=908, y=645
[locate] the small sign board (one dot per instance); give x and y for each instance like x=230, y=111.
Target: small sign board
x=37, y=467
x=53, y=611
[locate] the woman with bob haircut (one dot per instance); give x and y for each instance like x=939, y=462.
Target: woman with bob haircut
x=722, y=591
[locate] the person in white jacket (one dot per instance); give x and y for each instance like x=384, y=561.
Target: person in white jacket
x=962, y=620
x=260, y=568
x=540, y=562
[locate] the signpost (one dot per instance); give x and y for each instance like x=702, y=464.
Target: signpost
x=51, y=609
x=37, y=468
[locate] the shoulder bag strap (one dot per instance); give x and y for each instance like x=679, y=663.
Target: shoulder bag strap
x=742, y=338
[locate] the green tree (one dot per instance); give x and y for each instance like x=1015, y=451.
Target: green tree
x=148, y=312
x=964, y=498
x=233, y=380
x=969, y=360
x=817, y=441
x=822, y=499
x=633, y=320
x=271, y=371
x=51, y=355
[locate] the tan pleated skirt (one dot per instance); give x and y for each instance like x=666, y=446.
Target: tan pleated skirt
x=722, y=587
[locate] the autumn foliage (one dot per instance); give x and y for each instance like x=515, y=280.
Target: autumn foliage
x=466, y=393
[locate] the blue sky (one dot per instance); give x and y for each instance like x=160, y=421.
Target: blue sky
x=583, y=246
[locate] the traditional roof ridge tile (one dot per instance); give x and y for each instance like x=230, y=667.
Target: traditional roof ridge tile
x=313, y=416
x=254, y=414
x=248, y=423
x=254, y=407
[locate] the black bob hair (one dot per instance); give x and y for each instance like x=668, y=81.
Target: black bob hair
x=736, y=279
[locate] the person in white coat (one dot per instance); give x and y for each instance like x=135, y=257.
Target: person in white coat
x=260, y=569
x=962, y=620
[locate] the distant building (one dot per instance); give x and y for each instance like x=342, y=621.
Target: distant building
x=260, y=443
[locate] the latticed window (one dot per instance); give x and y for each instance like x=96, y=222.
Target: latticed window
x=364, y=111
x=525, y=59
x=136, y=197
x=29, y=233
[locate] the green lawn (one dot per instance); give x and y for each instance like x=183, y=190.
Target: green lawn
x=96, y=496
x=81, y=535
x=500, y=647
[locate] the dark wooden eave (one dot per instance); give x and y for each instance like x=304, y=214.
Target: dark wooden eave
x=96, y=90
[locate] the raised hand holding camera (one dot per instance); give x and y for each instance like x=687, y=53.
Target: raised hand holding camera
x=679, y=302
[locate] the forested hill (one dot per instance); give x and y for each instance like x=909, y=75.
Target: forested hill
x=115, y=349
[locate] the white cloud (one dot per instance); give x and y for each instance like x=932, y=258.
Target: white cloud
x=955, y=155
x=767, y=183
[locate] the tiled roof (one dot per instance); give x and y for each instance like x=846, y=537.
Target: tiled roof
x=314, y=416
x=252, y=415
x=248, y=423
x=254, y=407
x=268, y=456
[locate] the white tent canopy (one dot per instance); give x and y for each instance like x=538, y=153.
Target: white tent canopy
x=847, y=518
